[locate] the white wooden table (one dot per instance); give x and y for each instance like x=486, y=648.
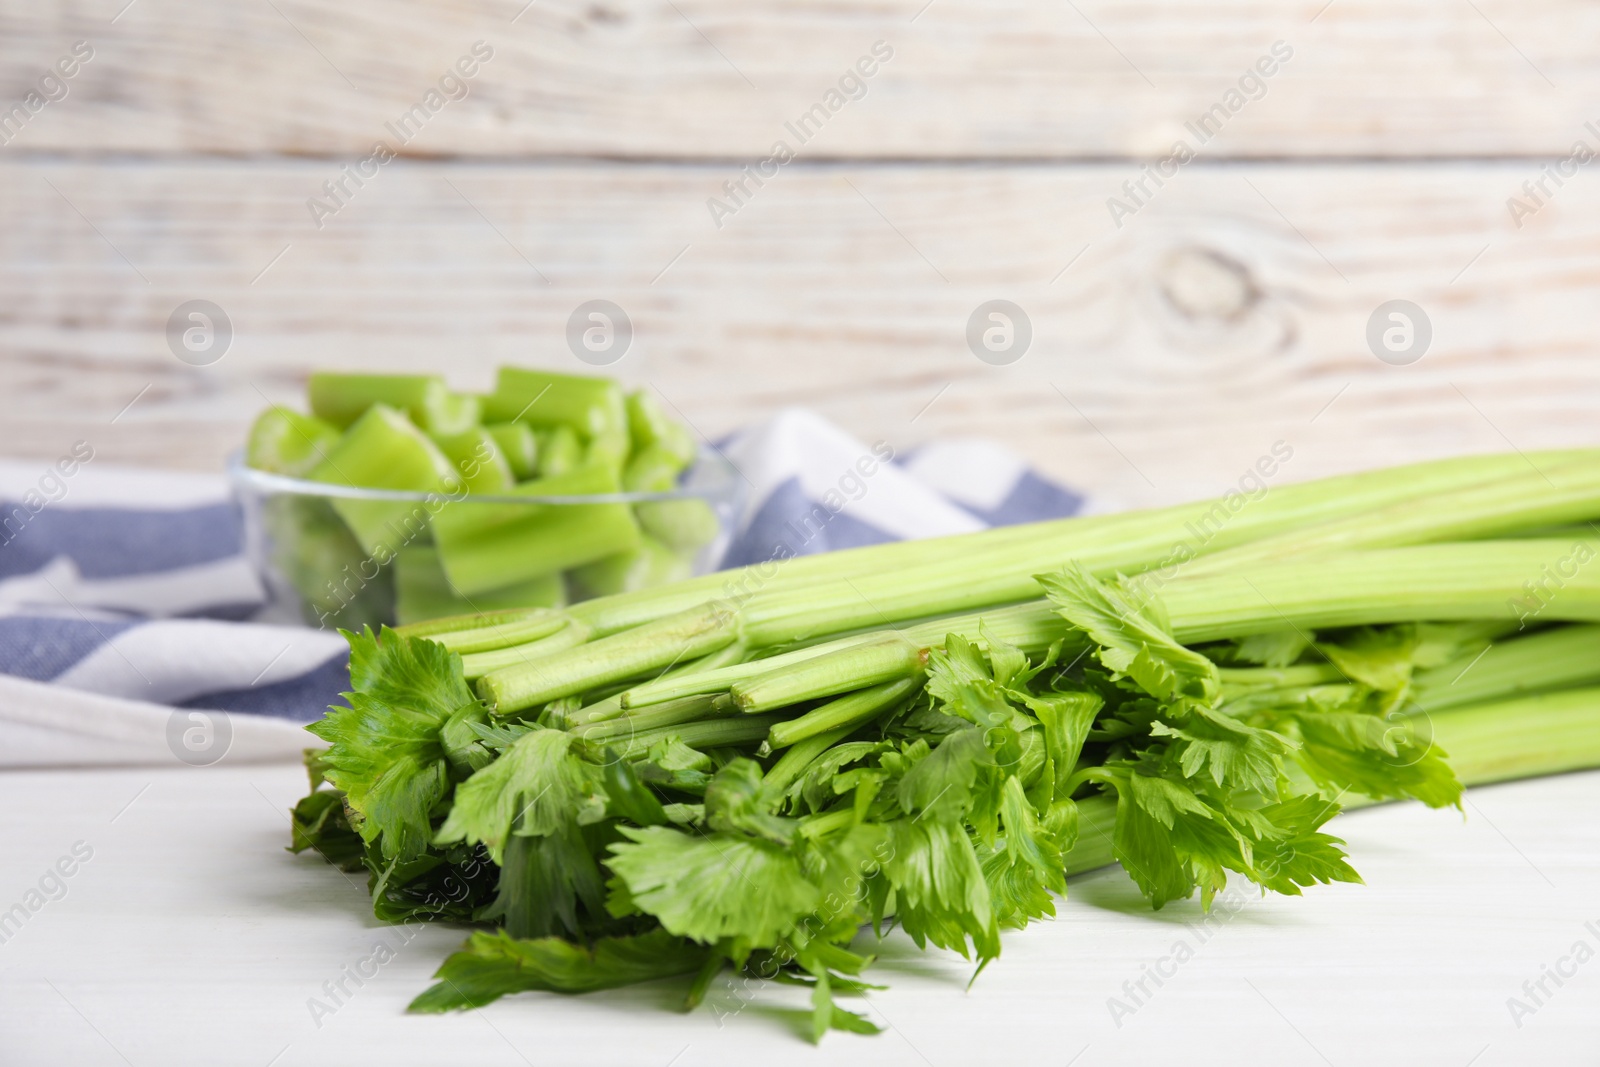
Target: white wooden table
x=190, y=937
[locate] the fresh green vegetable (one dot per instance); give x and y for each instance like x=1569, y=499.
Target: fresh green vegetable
x=747, y=770
x=447, y=550
x=485, y=546
x=383, y=450
x=341, y=399
x=519, y=445
x=560, y=452
x=287, y=442
x=423, y=591
x=651, y=564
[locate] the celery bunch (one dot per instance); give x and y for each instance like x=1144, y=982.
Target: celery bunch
x=365, y=562
x=747, y=771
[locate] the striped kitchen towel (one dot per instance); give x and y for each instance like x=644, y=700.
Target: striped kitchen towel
x=133, y=628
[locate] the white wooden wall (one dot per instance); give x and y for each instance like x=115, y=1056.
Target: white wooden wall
x=1229, y=312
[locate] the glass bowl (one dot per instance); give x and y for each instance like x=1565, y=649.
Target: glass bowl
x=425, y=555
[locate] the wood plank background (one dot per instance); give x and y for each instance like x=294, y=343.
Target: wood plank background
x=1228, y=312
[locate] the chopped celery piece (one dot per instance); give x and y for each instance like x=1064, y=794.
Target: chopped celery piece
x=337, y=583
x=559, y=452
x=649, y=426
x=383, y=450
x=684, y=525
x=592, y=407
x=652, y=563
x=423, y=592
x=651, y=469
x=520, y=446
x=485, y=546
x=343, y=398
x=287, y=442
x=477, y=457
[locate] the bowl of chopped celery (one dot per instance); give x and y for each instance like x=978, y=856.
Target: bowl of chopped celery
x=397, y=500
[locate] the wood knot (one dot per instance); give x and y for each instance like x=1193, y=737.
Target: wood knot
x=1207, y=287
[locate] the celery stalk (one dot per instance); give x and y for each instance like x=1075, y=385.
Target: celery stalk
x=1548, y=659
x=383, y=450
x=487, y=631
x=611, y=659
x=478, y=460
x=286, y=442
x=560, y=452
x=846, y=713
x=341, y=399
x=1475, y=580
x=977, y=570
x=520, y=447
x=592, y=407
x=487, y=545
x=477, y=664
x=649, y=427
x=672, y=713
x=883, y=659
x=650, y=564
x=422, y=590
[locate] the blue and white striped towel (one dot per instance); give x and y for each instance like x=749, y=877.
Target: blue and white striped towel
x=131, y=624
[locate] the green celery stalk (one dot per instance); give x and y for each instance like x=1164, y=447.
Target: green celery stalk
x=478, y=459
x=652, y=563
x=887, y=658
x=672, y=713
x=488, y=631
x=651, y=469
x=650, y=427
x=488, y=545
x=475, y=665
x=677, y=684
x=1551, y=494
x=707, y=733
x=341, y=399
x=796, y=758
x=592, y=407
x=286, y=442
x=846, y=713
x=383, y=450
x=682, y=525
x=610, y=659
x=519, y=445
x=1475, y=580
x=423, y=592
x=903, y=581
x=560, y=452
x=1548, y=659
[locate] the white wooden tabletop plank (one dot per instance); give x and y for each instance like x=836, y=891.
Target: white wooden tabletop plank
x=190, y=937
x=719, y=78
x=1230, y=312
